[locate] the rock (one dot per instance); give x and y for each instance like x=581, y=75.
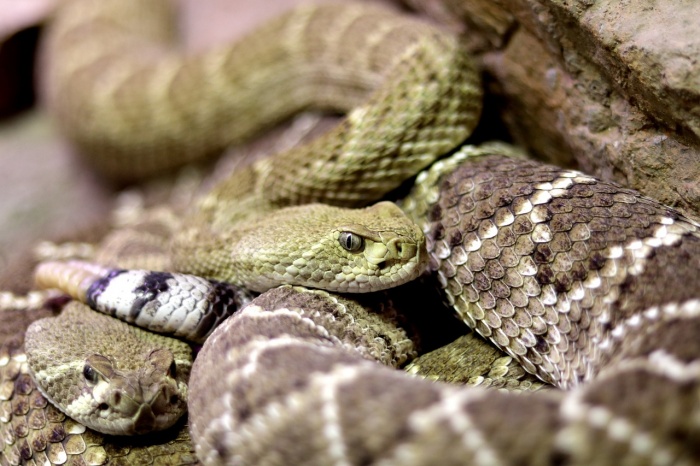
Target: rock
x=611, y=86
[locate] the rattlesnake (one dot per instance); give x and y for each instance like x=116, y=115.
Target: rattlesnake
x=504, y=235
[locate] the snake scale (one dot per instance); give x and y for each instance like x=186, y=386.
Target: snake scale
x=590, y=286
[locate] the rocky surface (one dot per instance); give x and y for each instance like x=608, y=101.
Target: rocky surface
x=610, y=86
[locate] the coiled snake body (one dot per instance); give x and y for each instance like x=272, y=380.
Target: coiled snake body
x=589, y=285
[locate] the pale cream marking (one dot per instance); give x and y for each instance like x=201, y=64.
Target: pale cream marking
x=452, y=410
x=258, y=425
x=49, y=251
x=666, y=364
x=20, y=359
x=332, y=430
x=257, y=348
x=686, y=310
x=34, y=299
x=574, y=411
x=540, y=197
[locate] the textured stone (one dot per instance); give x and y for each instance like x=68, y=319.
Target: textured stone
x=609, y=86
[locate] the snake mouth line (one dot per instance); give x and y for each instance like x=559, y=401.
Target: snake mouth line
x=145, y=420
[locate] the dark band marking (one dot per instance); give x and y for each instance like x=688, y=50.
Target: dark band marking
x=99, y=286
x=153, y=284
x=223, y=301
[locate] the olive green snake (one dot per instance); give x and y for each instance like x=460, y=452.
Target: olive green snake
x=588, y=285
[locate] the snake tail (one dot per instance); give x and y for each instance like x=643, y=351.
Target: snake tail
x=181, y=305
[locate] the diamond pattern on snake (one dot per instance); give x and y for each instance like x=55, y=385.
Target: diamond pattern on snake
x=301, y=283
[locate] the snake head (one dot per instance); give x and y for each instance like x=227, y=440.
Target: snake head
x=336, y=249
x=122, y=402
x=384, y=251
x=110, y=376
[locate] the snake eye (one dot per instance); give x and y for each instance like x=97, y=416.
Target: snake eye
x=351, y=241
x=172, y=370
x=90, y=374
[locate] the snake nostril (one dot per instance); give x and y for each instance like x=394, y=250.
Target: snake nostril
x=102, y=406
x=400, y=250
x=174, y=399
